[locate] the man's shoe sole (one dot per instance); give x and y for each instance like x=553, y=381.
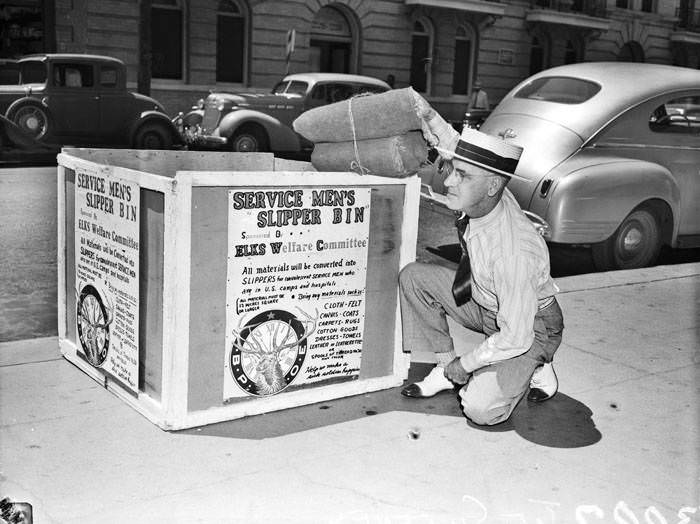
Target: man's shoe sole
x=414, y=391
x=538, y=395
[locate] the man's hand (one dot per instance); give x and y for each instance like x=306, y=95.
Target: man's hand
x=456, y=373
x=423, y=109
x=436, y=131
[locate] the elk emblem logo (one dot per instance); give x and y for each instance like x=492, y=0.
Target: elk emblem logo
x=268, y=352
x=93, y=325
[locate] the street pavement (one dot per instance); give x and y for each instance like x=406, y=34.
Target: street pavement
x=618, y=443
x=28, y=288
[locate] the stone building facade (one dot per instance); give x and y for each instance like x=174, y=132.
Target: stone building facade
x=180, y=49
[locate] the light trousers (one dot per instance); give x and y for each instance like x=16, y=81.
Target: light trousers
x=494, y=390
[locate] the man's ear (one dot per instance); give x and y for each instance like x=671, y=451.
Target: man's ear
x=496, y=183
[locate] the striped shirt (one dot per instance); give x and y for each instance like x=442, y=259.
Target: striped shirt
x=510, y=276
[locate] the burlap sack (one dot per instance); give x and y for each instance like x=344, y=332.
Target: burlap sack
x=394, y=156
x=373, y=116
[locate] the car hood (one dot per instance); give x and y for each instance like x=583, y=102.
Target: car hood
x=21, y=90
x=545, y=145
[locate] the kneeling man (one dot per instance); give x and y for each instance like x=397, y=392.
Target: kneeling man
x=502, y=287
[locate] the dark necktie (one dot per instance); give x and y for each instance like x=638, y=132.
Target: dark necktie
x=461, y=287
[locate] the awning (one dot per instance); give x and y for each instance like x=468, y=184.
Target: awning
x=685, y=37
x=470, y=6
x=546, y=16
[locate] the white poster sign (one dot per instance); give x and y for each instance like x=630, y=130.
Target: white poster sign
x=107, y=273
x=297, y=267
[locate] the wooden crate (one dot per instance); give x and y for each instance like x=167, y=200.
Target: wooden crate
x=204, y=287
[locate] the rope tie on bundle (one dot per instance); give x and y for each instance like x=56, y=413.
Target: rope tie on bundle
x=355, y=165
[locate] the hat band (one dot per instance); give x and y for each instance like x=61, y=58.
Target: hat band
x=486, y=157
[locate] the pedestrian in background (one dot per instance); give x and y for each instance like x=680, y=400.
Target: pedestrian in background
x=478, y=99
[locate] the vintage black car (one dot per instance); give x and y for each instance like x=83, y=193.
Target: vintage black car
x=248, y=122
x=82, y=100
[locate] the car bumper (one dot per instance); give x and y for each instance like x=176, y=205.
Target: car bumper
x=206, y=141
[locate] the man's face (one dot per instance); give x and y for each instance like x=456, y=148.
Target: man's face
x=467, y=186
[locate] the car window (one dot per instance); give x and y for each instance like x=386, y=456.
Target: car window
x=560, y=89
x=367, y=89
x=678, y=115
x=32, y=73
x=108, y=76
x=73, y=75
x=292, y=88
x=297, y=87
x=280, y=88
x=338, y=92
x=319, y=93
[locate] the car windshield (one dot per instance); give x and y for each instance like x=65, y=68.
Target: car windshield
x=290, y=88
x=32, y=73
x=560, y=89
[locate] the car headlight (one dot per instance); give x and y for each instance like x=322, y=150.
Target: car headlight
x=199, y=104
x=220, y=106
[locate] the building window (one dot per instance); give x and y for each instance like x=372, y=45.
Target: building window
x=648, y=6
x=331, y=44
x=166, y=39
x=22, y=28
x=631, y=52
x=623, y=4
x=570, y=54
x=463, y=61
x=537, y=56
x=421, y=56
x=231, y=37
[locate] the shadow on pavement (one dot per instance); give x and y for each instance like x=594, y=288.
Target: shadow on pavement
x=561, y=422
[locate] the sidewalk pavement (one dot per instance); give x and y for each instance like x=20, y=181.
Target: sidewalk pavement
x=618, y=443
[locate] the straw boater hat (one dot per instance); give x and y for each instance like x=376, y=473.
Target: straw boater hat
x=485, y=151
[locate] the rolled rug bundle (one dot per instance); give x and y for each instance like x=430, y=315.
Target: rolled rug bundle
x=395, y=156
x=361, y=118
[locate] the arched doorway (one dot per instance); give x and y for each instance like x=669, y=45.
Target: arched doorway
x=539, y=53
x=421, y=55
x=464, y=59
x=631, y=52
x=231, y=39
x=331, y=49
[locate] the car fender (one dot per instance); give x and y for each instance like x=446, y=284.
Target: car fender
x=587, y=205
x=32, y=100
x=282, y=137
x=25, y=99
x=154, y=117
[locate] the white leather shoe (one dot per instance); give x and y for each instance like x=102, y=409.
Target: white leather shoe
x=543, y=384
x=431, y=385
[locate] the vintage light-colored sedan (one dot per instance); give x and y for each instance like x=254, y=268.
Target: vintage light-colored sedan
x=612, y=156
x=249, y=122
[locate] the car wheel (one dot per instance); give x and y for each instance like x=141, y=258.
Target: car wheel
x=636, y=243
x=153, y=136
x=249, y=139
x=30, y=117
